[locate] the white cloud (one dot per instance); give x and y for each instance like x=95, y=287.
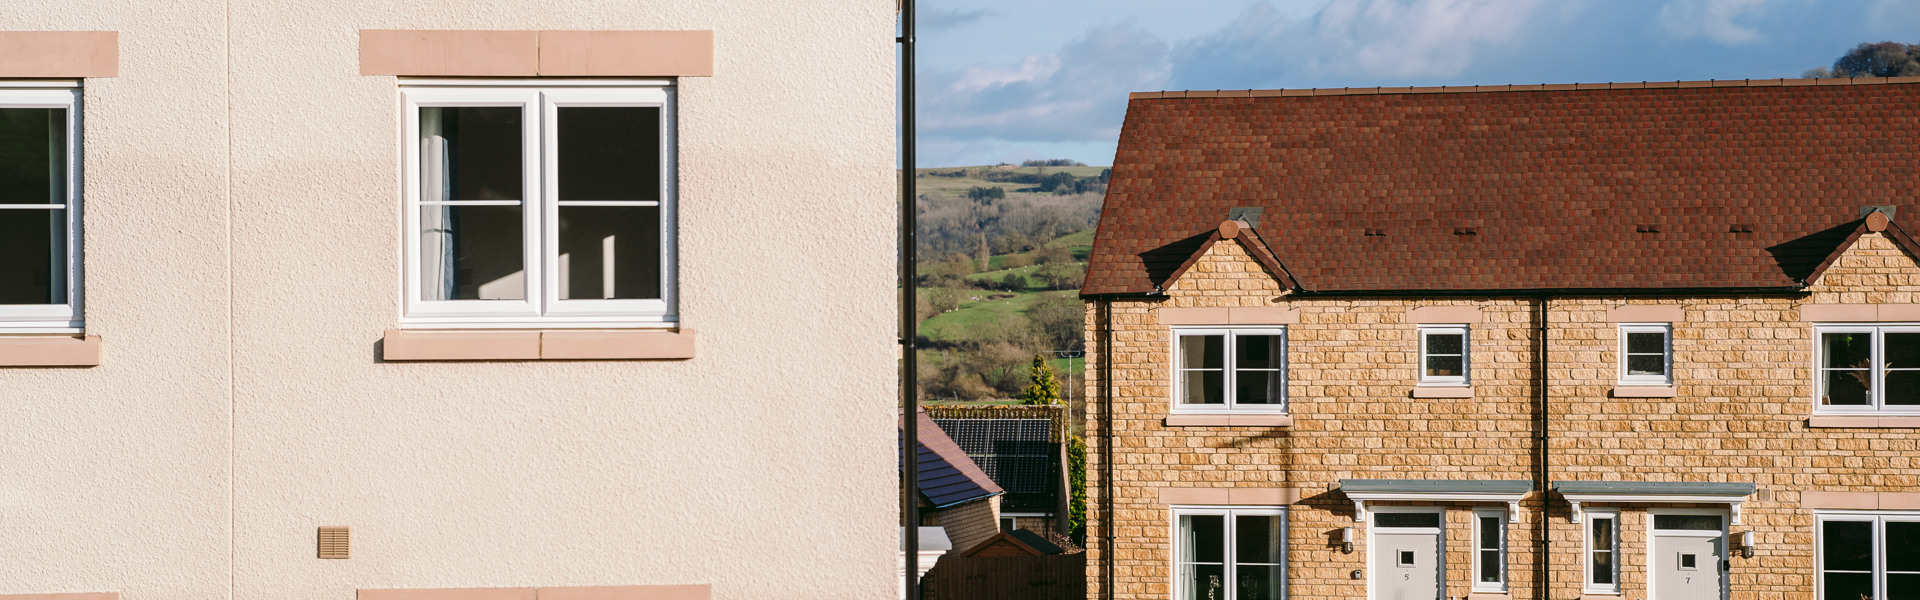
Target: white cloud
x=927, y=20
x=1076, y=94
x=1355, y=39
x=1712, y=19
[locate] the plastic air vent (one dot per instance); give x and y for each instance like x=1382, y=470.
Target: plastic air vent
x=336, y=542
x=1647, y=229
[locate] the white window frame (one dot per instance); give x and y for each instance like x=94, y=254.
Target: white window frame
x=1228, y=375
x=1879, y=519
x=1466, y=355
x=1499, y=587
x=1228, y=514
x=1666, y=332
x=1611, y=515
x=539, y=101
x=1876, y=369
x=53, y=318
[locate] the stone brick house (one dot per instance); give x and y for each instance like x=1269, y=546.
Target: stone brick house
x=1626, y=341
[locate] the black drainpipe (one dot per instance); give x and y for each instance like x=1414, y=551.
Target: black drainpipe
x=909, y=367
x=1106, y=445
x=1546, y=544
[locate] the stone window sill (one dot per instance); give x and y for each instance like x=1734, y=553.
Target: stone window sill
x=1442, y=391
x=1643, y=391
x=517, y=345
x=1489, y=596
x=1600, y=596
x=1241, y=420
x=49, y=351
x=629, y=592
x=1865, y=421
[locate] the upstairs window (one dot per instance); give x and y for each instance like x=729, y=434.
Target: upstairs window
x=1646, y=354
x=1239, y=369
x=1444, y=355
x=1868, y=369
x=40, y=210
x=539, y=206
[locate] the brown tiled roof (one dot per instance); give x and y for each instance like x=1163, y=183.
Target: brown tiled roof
x=1747, y=185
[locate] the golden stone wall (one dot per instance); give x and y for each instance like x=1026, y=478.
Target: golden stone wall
x=1743, y=394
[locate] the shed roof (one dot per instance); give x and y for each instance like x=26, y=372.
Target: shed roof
x=947, y=476
x=1745, y=185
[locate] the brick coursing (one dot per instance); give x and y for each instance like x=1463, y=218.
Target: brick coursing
x=1743, y=381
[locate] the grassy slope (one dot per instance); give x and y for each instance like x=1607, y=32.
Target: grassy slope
x=954, y=187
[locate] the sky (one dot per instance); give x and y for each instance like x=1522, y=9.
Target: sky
x=1009, y=80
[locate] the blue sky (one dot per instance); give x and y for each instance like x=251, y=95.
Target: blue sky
x=1006, y=80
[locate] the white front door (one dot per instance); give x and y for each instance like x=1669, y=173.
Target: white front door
x=1406, y=555
x=1689, y=557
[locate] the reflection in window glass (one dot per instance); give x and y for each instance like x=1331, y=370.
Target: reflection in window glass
x=609, y=252
x=1687, y=522
x=609, y=153
x=1845, y=376
x=1406, y=519
x=476, y=152
x=1902, y=363
x=1600, y=551
x=1846, y=559
x=1202, y=369
x=33, y=232
x=1202, y=562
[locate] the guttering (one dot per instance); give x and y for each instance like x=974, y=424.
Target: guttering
x=1545, y=535
x=1528, y=292
x=909, y=359
x=1106, y=446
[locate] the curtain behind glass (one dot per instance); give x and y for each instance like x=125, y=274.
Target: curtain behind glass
x=436, y=236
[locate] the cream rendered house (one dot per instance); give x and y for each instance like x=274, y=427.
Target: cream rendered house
x=570, y=299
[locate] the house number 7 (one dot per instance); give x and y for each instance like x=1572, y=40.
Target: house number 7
x=1689, y=580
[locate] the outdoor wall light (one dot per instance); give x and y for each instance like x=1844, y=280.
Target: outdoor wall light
x=1746, y=544
x=1346, y=540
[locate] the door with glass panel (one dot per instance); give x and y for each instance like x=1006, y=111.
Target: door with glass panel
x=1407, y=554
x=1229, y=553
x=1689, y=559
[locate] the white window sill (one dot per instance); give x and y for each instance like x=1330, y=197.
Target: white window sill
x=1442, y=391
x=1643, y=391
x=49, y=351
x=441, y=323
x=604, y=344
x=1865, y=421
x=1229, y=420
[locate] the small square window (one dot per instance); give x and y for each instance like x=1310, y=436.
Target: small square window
x=1444, y=355
x=1646, y=354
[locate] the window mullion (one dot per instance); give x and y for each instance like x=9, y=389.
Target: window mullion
x=1229, y=368
x=539, y=210
x=1875, y=373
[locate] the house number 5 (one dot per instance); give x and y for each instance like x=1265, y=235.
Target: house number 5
x=1408, y=577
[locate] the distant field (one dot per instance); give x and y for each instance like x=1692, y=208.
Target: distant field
x=935, y=183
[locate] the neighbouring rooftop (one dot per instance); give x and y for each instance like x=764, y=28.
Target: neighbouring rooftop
x=1613, y=187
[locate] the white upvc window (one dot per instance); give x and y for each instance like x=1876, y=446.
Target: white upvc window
x=1646, y=354
x=1490, y=550
x=539, y=204
x=1862, y=368
x=1239, y=369
x=1868, y=555
x=1600, y=551
x=1445, y=355
x=1223, y=552
x=40, y=208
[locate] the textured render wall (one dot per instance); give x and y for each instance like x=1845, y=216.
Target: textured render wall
x=115, y=478
x=198, y=461
x=582, y=473
x=1743, y=397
